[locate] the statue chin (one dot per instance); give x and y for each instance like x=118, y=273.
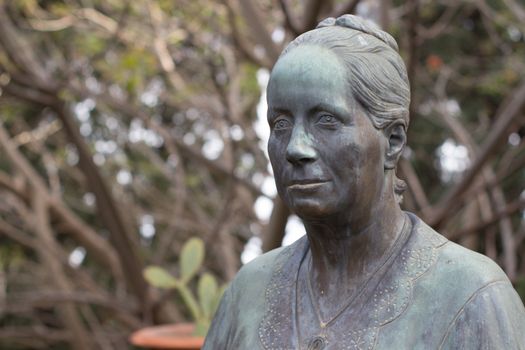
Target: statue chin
x=310, y=208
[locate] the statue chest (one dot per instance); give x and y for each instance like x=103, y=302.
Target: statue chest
x=291, y=321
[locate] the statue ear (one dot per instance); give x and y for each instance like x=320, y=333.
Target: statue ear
x=397, y=138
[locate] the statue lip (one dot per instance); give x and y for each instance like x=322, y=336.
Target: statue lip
x=307, y=184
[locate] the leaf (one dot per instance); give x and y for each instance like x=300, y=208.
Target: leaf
x=190, y=302
x=201, y=328
x=191, y=258
x=159, y=277
x=207, y=291
x=218, y=298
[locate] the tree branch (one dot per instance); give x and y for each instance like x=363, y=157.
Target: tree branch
x=273, y=232
x=289, y=20
x=346, y=8
x=505, y=117
x=310, y=14
x=253, y=16
x=80, y=231
x=508, y=210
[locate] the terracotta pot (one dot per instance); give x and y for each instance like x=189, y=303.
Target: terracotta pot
x=173, y=336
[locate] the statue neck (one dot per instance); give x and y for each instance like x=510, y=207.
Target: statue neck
x=347, y=252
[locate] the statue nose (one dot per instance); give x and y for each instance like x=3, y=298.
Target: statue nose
x=300, y=148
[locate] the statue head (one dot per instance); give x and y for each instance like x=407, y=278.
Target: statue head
x=376, y=71
x=343, y=61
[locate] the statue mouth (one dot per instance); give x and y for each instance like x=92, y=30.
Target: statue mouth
x=307, y=184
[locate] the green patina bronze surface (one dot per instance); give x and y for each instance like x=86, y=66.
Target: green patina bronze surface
x=367, y=275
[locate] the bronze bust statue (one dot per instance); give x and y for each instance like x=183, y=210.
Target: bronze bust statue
x=367, y=275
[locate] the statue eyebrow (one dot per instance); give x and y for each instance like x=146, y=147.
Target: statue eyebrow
x=277, y=110
x=324, y=107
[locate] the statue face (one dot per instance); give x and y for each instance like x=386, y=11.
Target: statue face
x=327, y=157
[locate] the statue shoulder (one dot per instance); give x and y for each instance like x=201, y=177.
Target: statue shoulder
x=260, y=270
x=476, y=305
x=491, y=315
x=492, y=318
x=465, y=266
x=261, y=265
x=464, y=261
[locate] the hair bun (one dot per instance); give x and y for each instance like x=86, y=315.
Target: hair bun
x=362, y=25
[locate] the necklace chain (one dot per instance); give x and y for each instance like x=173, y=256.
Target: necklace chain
x=384, y=259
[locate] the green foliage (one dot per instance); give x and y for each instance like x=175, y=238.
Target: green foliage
x=89, y=44
x=191, y=258
x=207, y=291
x=159, y=278
x=10, y=256
x=520, y=288
x=249, y=83
x=203, y=306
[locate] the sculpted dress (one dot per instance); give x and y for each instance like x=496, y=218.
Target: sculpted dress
x=430, y=294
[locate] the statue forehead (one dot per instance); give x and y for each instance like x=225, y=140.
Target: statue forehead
x=306, y=66
x=309, y=60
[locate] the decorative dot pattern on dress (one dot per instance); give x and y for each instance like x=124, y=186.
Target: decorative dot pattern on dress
x=415, y=262
x=362, y=339
x=389, y=299
x=390, y=302
x=276, y=325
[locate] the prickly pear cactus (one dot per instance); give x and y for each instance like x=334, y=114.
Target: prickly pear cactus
x=203, y=306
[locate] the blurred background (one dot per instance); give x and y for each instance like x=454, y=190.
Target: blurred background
x=128, y=127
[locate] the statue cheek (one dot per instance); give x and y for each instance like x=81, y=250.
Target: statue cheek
x=276, y=144
x=277, y=160
x=273, y=152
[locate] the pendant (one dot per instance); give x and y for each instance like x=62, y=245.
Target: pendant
x=317, y=343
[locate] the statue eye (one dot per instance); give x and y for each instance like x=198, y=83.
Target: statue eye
x=281, y=124
x=327, y=119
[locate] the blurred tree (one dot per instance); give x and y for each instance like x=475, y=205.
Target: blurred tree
x=128, y=127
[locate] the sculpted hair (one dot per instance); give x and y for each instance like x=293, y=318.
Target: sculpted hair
x=376, y=72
